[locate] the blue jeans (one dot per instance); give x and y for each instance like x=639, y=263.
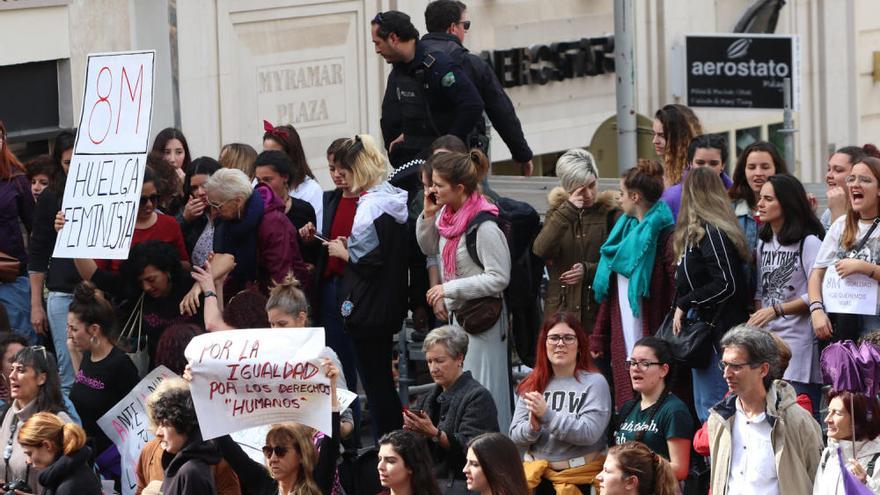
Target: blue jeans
x=57, y=305
x=16, y=297
x=709, y=386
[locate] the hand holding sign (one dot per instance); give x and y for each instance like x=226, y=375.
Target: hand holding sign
x=247, y=378
x=852, y=293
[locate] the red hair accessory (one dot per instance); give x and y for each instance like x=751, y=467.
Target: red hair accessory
x=279, y=133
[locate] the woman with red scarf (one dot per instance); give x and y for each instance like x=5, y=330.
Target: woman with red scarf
x=451, y=205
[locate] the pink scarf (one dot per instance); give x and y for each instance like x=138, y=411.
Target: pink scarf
x=452, y=225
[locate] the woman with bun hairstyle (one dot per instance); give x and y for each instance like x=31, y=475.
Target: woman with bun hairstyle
x=441, y=229
x=575, y=227
x=302, y=182
x=636, y=274
x=105, y=374
x=633, y=469
x=59, y=449
x=710, y=280
x=494, y=466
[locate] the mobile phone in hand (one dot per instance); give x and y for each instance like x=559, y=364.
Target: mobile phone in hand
x=321, y=238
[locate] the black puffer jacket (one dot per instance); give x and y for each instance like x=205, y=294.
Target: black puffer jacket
x=71, y=475
x=189, y=471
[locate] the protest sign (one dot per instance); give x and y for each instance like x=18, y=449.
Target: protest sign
x=855, y=294
x=103, y=188
x=126, y=424
x=247, y=378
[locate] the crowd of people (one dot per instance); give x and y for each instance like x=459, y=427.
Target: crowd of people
x=612, y=401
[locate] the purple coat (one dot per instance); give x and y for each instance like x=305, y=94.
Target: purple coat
x=672, y=195
x=16, y=209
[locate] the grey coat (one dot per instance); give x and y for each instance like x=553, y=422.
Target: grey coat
x=462, y=412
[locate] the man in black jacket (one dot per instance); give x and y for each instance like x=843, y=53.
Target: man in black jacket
x=447, y=23
x=427, y=95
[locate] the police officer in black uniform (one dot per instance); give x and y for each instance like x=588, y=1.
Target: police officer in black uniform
x=447, y=23
x=427, y=95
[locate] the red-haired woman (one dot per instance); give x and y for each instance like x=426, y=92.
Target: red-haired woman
x=562, y=410
x=16, y=209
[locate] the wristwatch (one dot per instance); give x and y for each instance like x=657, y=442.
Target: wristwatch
x=436, y=438
x=210, y=293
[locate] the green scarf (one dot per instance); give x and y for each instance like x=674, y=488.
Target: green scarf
x=630, y=250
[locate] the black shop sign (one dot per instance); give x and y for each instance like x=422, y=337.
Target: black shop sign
x=541, y=64
x=741, y=70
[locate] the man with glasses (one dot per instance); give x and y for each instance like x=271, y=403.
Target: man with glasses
x=760, y=439
x=427, y=94
x=447, y=23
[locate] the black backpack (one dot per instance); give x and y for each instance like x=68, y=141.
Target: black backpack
x=520, y=224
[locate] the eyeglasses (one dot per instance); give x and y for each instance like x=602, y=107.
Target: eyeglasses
x=568, y=339
x=641, y=365
x=734, y=367
x=154, y=198
x=216, y=206
x=863, y=179
x=466, y=24
x=278, y=451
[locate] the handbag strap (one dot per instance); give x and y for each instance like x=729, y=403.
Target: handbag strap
x=137, y=312
x=864, y=239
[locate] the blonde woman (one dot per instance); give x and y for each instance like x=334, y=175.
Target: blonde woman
x=710, y=280
x=240, y=156
x=372, y=293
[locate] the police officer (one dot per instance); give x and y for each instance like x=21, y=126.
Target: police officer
x=427, y=95
x=448, y=23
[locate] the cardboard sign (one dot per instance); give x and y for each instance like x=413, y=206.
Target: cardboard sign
x=248, y=378
x=103, y=188
x=127, y=425
x=856, y=294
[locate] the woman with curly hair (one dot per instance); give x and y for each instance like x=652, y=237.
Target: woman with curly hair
x=188, y=464
x=405, y=465
x=674, y=126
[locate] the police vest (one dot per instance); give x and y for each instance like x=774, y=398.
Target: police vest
x=421, y=124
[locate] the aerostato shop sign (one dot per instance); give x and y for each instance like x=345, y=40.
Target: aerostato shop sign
x=741, y=70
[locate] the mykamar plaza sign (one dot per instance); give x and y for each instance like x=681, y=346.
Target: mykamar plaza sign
x=741, y=70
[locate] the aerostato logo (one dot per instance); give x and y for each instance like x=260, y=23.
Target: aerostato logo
x=746, y=67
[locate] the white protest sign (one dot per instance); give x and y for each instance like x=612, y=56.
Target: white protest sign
x=247, y=378
x=126, y=424
x=253, y=439
x=103, y=188
x=856, y=294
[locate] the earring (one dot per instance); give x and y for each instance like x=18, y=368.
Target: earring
x=93, y=340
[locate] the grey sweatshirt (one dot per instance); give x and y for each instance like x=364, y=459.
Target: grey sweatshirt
x=578, y=412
